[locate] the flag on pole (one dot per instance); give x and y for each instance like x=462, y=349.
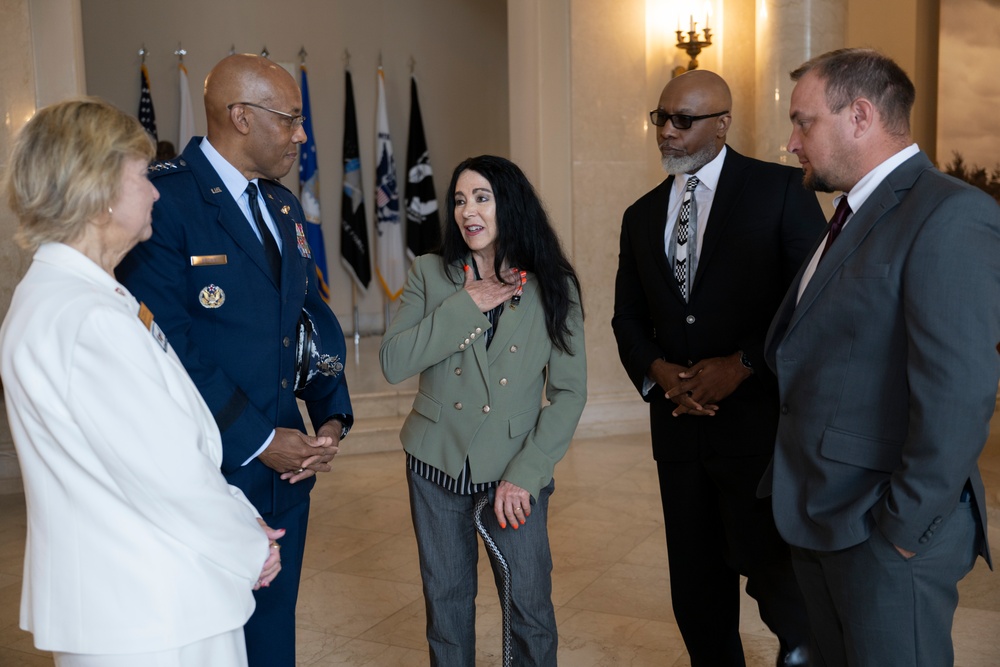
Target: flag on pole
x=423, y=226
x=187, y=112
x=354, y=250
x=389, y=252
x=309, y=194
x=147, y=116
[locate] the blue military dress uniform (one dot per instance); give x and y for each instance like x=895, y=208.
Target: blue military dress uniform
x=204, y=275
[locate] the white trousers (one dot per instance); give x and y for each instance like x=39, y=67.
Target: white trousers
x=225, y=650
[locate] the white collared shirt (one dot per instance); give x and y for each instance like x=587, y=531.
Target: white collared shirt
x=856, y=198
x=236, y=184
x=704, y=195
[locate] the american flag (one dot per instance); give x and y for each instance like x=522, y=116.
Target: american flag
x=146, y=114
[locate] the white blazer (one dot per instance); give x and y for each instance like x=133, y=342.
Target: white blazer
x=135, y=541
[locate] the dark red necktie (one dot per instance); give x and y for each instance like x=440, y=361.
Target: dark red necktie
x=837, y=223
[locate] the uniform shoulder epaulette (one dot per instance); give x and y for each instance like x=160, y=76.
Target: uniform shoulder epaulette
x=161, y=167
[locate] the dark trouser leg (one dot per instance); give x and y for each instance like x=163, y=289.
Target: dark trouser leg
x=871, y=607
x=270, y=632
x=446, y=542
x=755, y=549
x=526, y=551
x=704, y=590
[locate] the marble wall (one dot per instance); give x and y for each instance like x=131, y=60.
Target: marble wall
x=17, y=102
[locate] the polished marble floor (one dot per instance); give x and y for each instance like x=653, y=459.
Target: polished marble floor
x=361, y=602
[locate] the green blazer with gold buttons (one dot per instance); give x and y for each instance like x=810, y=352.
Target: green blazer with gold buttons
x=484, y=405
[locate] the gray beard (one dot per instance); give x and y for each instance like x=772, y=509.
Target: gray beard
x=688, y=164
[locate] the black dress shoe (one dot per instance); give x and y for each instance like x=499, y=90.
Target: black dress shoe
x=796, y=657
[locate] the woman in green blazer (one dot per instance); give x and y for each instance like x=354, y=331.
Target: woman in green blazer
x=490, y=324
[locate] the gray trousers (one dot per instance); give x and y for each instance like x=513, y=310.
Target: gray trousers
x=871, y=607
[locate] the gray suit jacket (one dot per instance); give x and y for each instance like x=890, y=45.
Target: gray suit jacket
x=886, y=368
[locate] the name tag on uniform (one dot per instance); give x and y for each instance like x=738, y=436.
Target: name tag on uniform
x=146, y=317
x=208, y=260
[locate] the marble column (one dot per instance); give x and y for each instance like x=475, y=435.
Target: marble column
x=41, y=61
x=789, y=32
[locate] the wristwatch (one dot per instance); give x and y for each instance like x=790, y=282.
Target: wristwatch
x=746, y=362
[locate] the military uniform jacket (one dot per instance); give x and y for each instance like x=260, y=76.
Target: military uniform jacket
x=484, y=405
x=206, y=279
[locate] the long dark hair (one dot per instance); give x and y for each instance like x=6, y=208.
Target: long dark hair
x=525, y=239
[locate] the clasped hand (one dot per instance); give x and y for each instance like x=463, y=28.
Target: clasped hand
x=697, y=390
x=298, y=456
x=489, y=292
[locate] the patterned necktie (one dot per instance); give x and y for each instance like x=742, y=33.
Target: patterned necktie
x=270, y=245
x=686, y=238
x=836, y=223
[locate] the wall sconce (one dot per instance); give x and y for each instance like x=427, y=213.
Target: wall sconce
x=692, y=45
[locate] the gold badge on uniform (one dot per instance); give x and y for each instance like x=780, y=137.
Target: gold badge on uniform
x=285, y=209
x=212, y=296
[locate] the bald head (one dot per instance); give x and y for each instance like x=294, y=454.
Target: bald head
x=250, y=105
x=700, y=87
x=705, y=99
x=242, y=77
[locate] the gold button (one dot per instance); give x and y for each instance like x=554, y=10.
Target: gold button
x=513, y=348
x=284, y=384
x=486, y=409
x=458, y=371
x=462, y=346
x=458, y=406
x=503, y=382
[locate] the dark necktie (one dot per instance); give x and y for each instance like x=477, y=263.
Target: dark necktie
x=270, y=245
x=837, y=223
x=686, y=237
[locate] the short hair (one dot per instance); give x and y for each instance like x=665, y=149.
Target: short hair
x=525, y=239
x=853, y=73
x=66, y=167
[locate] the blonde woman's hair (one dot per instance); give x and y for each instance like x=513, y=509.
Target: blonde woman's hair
x=66, y=166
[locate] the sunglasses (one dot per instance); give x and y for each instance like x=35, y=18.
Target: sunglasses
x=680, y=121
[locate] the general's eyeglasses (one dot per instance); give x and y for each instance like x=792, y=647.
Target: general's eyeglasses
x=294, y=121
x=680, y=121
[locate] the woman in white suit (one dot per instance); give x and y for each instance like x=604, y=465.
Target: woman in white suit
x=138, y=552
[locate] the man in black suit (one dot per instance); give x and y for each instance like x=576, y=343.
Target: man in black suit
x=705, y=260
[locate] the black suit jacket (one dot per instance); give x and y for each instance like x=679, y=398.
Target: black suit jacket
x=761, y=225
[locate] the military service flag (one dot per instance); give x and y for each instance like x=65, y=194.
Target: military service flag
x=186, y=124
x=389, y=258
x=354, y=250
x=309, y=194
x=423, y=226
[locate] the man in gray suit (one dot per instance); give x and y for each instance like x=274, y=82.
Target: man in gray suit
x=883, y=349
